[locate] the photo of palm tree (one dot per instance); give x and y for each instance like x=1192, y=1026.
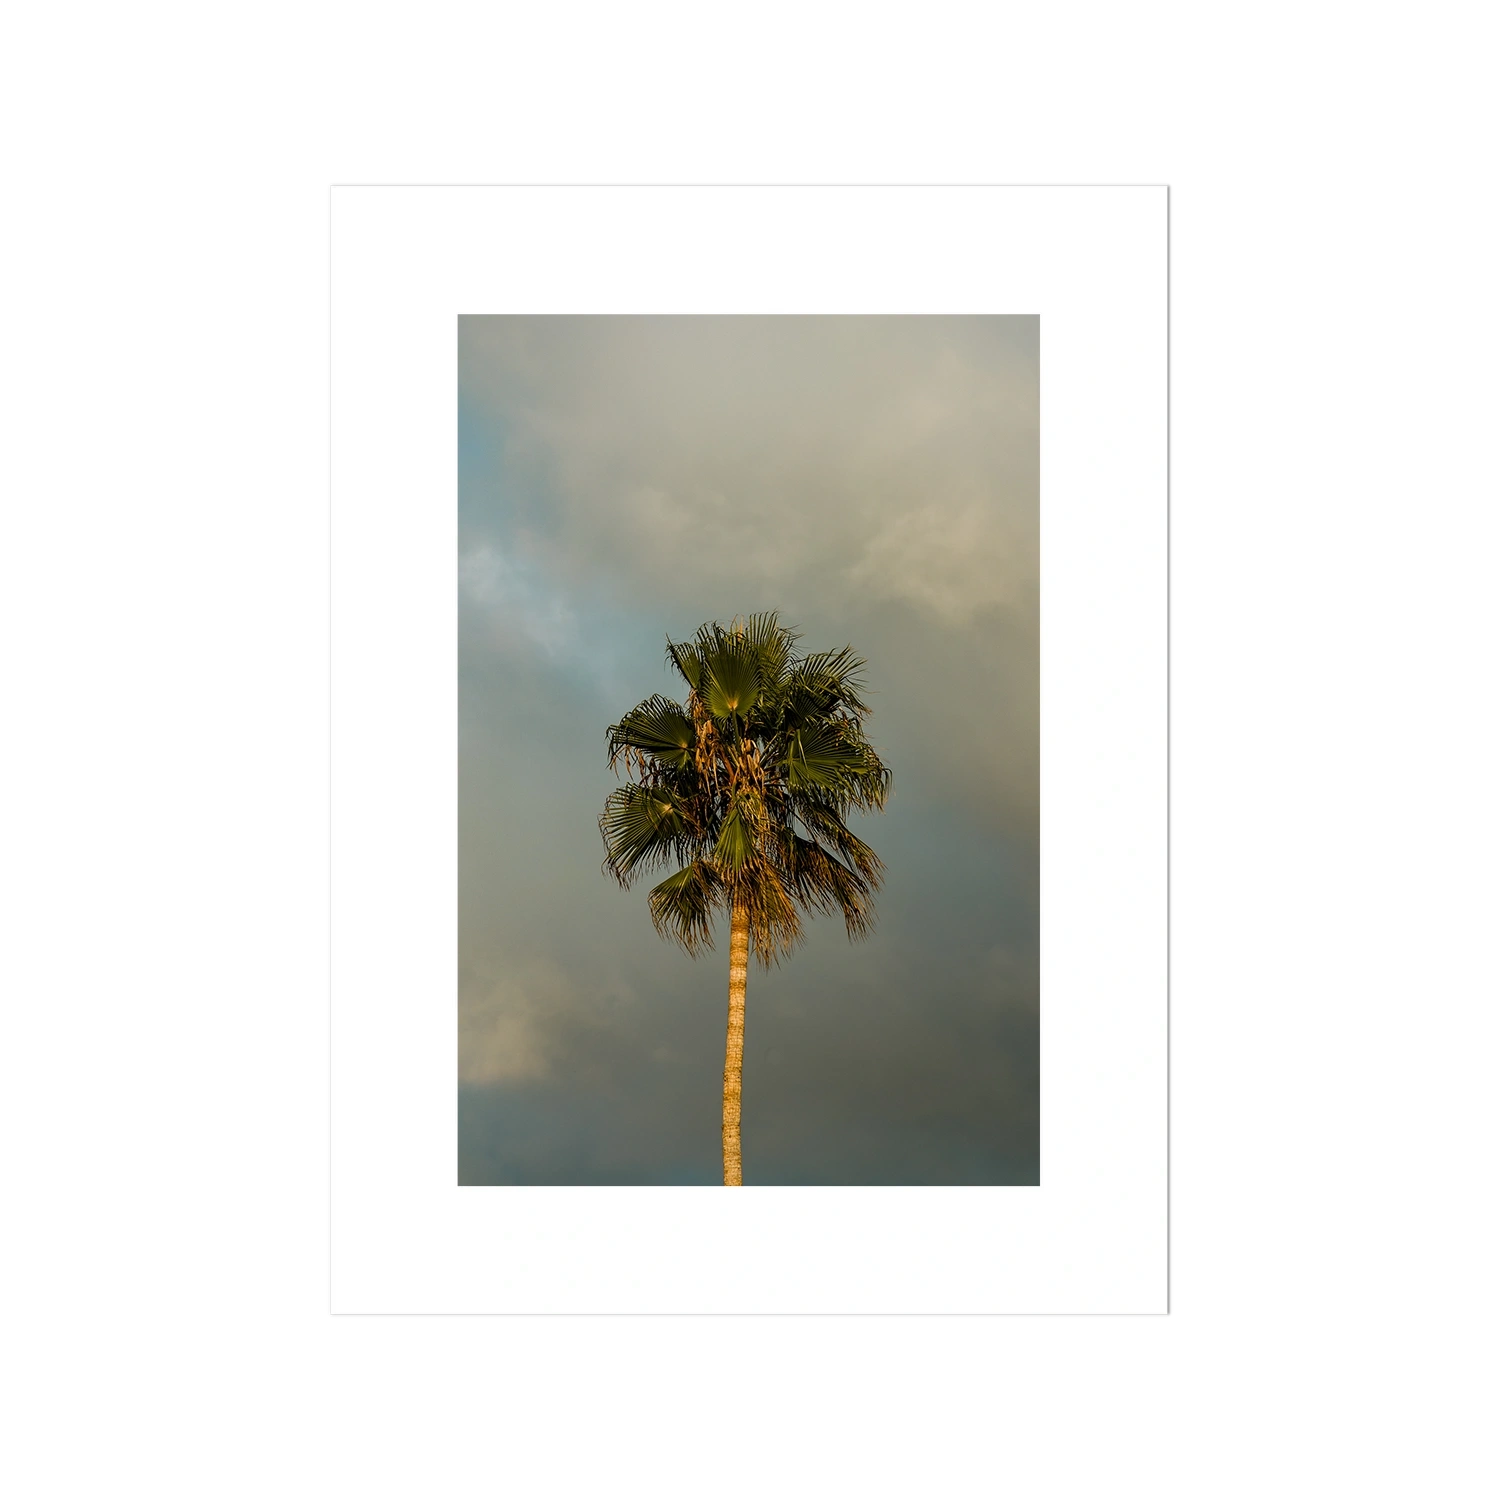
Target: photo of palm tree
x=768, y=743
x=805, y=550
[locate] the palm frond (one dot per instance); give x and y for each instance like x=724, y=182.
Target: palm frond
x=736, y=840
x=772, y=642
x=683, y=906
x=658, y=728
x=731, y=676
x=830, y=680
x=869, y=784
x=825, y=884
x=852, y=893
x=820, y=755
x=685, y=656
x=829, y=830
x=642, y=827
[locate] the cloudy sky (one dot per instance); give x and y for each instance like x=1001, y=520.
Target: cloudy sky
x=626, y=479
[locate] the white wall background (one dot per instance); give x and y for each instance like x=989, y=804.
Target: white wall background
x=163, y=569
x=1092, y=1235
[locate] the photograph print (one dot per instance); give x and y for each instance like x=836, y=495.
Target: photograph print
x=748, y=750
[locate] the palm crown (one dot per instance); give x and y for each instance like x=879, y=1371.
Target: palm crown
x=747, y=787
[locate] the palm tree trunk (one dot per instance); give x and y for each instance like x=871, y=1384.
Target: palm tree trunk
x=734, y=1041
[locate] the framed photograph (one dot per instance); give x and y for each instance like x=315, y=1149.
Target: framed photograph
x=749, y=750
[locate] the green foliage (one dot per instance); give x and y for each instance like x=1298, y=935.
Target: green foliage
x=641, y=825
x=683, y=905
x=747, y=786
x=657, y=728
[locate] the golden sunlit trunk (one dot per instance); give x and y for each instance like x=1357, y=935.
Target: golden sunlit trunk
x=734, y=1042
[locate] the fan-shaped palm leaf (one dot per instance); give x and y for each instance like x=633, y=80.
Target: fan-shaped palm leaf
x=731, y=677
x=736, y=841
x=658, y=728
x=772, y=643
x=683, y=906
x=689, y=664
x=642, y=827
x=821, y=755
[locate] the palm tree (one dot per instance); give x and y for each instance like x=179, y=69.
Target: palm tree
x=746, y=788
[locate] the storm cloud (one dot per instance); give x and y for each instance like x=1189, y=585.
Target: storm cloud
x=625, y=479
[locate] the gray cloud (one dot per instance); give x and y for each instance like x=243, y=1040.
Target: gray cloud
x=875, y=479
x=873, y=460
